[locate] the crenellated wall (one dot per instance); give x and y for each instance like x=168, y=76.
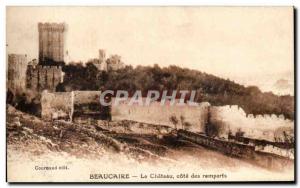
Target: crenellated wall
x=41, y=77
x=234, y=119
x=223, y=119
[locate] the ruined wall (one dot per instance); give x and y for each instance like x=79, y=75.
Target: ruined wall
x=87, y=103
x=160, y=115
x=16, y=73
x=86, y=97
x=233, y=118
x=41, y=77
x=58, y=104
x=69, y=103
x=51, y=41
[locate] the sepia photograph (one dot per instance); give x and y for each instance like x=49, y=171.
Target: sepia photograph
x=103, y=94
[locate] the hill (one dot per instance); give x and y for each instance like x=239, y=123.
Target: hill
x=210, y=88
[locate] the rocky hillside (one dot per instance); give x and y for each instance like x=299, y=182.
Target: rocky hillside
x=31, y=134
x=101, y=144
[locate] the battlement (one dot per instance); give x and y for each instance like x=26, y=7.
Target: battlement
x=17, y=58
x=233, y=119
x=237, y=110
x=51, y=26
x=267, y=116
x=47, y=67
x=43, y=77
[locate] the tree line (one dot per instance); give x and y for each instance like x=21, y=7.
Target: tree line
x=210, y=88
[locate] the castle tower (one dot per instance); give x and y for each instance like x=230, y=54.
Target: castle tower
x=102, y=60
x=51, y=42
x=102, y=56
x=16, y=75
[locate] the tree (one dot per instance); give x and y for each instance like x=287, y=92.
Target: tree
x=173, y=119
x=187, y=126
x=182, y=119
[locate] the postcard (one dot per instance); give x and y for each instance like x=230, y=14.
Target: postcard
x=150, y=94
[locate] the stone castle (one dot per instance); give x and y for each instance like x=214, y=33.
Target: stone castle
x=46, y=72
x=114, y=62
x=43, y=75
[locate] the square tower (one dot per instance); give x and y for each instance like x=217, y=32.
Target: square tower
x=51, y=42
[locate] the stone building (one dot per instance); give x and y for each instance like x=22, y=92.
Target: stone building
x=42, y=77
x=16, y=73
x=51, y=42
x=46, y=74
x=112, y=63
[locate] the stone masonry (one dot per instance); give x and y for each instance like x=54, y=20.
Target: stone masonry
x=16, y=74
x=41, y=77
x=51, y=42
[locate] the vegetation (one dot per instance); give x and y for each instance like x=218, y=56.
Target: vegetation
x=210, y=88
x=174, y=121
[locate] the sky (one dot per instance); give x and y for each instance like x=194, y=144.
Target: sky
x=250, y=45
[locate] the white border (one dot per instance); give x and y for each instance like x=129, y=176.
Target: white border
x=4, y=3
x=153, y=2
